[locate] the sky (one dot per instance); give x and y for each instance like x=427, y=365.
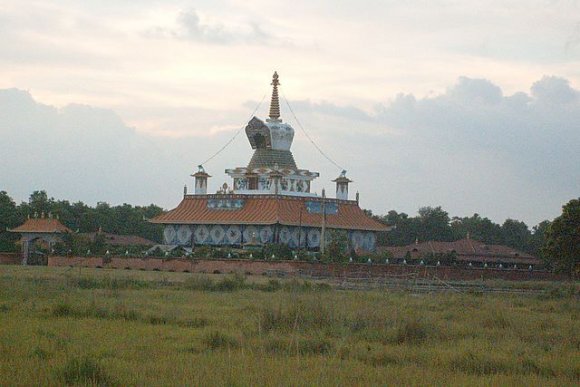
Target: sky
x=473, y=106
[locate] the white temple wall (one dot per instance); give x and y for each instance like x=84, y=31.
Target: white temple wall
x=228, y=235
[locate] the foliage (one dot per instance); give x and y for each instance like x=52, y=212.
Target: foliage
x=10, y=216
x=279, y=251
x=562, y=247
x=433, y=223
x=337, y=246
x=84, y=370
x=124, y=219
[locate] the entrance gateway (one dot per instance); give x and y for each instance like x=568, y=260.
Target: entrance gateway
x=46, y=229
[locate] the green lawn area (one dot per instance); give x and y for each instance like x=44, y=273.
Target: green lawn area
x=115, y=327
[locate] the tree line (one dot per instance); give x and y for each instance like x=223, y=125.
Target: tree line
x=435, y=224
x=557, y=242
x=124, y=219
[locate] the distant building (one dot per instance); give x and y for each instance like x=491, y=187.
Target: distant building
x=44, y=230
x=118, y=240
x=466, y=251
x=270, y=200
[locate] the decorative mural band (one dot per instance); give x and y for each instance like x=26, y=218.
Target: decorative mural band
x=225, y=204
x=315, y=207
x=237, y=235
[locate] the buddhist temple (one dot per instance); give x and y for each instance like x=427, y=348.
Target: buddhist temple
x=270, y=200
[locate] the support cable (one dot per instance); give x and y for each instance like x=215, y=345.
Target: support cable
x=235, y=135
x=308, y=137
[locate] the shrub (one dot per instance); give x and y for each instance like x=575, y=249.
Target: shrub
x=218, y=340
x=39, y=353
x=471, y=363
x=497, y=319
x=278, y=250
x=199, y=283
x=197, y=322
x=62, y=309
x=412, y=330
x=299, y=316
x=84, y=370
x=314, y=346
x=304, y=346
x=273, y=285
x=231, y=283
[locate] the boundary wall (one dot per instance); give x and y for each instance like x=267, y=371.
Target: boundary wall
x=302, y=268
x=10, y=259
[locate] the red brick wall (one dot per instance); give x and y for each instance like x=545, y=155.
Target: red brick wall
x=10, y=259
x=305, y=268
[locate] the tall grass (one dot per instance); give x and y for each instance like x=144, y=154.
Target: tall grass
x=84, y=371
x=132, y=328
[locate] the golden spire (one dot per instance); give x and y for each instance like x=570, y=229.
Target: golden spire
x=275, y=103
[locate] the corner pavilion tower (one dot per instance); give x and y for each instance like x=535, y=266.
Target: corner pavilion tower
x=270, y=201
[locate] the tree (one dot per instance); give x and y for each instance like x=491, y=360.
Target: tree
x=39, y=203
x=403, y=233
x=562, y=247
x=9, y=218
x=480, y=229
x=434, y=224
x=538, y=238
x=516, y=234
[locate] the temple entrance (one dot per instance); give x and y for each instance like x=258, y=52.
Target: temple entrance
x=38, y=250
x=39, y=235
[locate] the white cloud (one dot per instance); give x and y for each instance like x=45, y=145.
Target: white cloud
x=469, y=149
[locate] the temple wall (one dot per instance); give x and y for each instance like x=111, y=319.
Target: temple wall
x=224, y=235
x=10, y=259
x=301, y=268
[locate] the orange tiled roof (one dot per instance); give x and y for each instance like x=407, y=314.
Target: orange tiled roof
x=121, y=240
x=466, y=249
x=269, y=209
x=42, y=225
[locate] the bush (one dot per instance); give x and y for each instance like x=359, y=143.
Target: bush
x=412, y=330
x=231, y=283
x=303, y=346
x=218, y=340
x=299, y=316
x=85, y=371
x=273, y=285
x=278, y=250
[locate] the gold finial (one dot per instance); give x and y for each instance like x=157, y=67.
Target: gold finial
x=275, y=103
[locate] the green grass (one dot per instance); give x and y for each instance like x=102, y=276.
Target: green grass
x=105, y=327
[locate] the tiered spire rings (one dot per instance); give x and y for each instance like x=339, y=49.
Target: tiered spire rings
x=275, y=103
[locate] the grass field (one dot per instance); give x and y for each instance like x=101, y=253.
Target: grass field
x=105, y=327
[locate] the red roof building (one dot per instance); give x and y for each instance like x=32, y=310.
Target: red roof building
x=466, y=250
x=41, y=226
x=119, y=240
x=270, y=200
x=45, y=229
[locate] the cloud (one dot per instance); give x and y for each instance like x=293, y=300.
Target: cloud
x=554, y=91
x=189, y=26
x=573, y=40
x=532, y=140
x=470, y=149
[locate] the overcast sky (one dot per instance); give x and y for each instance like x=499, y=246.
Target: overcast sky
x=474, y=106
